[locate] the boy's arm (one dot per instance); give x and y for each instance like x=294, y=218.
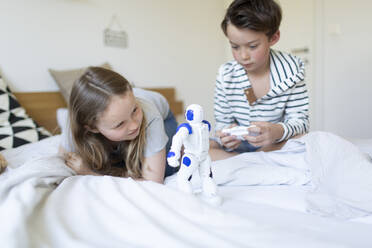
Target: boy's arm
x=296, y=116
x=222, y=110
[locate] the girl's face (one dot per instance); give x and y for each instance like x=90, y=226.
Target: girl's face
x=251, y=49
x=122, y=118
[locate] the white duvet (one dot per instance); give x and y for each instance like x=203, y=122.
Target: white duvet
x=43, y=205
x=341, y=175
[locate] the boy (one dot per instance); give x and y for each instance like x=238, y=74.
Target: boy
x=261, y=88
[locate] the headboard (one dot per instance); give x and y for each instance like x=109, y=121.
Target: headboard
x=42, y=106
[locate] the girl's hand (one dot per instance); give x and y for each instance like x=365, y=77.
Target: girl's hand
x=269, y=133
x=75, y=162
x=229, y=141
x=3, y=163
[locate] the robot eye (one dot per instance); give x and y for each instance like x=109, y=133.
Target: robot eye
x=190, y=115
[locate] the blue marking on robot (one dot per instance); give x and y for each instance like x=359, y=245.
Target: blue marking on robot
x=186, y=161
x=209, y=125
x=171, y=154
x=187, y=125
x=190, y=115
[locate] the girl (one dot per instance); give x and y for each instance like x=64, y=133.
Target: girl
x=112, y=132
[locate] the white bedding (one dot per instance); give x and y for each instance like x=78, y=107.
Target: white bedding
x=89, y=211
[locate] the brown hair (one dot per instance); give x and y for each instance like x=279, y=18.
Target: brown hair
x=90, y=96
x=257, y=15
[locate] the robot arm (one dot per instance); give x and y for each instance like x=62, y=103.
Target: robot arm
x=177, y=141
x=209, y=125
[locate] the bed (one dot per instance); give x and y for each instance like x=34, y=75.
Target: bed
x=315, y=192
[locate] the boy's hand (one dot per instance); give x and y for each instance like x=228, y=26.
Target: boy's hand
x=229, y=141
x=269, y=133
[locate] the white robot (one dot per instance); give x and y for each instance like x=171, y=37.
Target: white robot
x=194, y=136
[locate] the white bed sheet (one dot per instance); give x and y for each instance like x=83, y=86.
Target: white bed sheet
x=365, y=145
x=288, y=197
x=258, y=216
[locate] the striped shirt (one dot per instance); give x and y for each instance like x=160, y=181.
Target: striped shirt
x=286, y=103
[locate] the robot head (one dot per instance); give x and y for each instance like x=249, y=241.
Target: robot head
x=194, y=113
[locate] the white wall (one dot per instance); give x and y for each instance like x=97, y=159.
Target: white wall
x=171, y=43
x=227, y=44
x=298, y=36
x=347, y=67
x=179, y=43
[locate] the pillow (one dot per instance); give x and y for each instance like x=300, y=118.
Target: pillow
x=66, y=78
x=16, y=127
x=62, y=119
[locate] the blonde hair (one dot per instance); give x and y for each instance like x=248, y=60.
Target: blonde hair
x=90, y=96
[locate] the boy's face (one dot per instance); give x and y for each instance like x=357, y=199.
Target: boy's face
x=250, y=48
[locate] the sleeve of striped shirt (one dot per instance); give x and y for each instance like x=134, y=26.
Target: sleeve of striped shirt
x=222, y=110
x=296, y=116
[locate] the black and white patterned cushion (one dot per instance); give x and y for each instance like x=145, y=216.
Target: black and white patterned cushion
x=16, y=127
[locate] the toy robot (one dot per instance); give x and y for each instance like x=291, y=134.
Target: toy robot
x=194, y=136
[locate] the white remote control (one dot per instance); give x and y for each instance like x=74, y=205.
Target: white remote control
x=239, y=131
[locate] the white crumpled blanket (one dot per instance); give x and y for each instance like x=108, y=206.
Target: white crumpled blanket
x=339, y=173
x=341, y=176
x=43, y=205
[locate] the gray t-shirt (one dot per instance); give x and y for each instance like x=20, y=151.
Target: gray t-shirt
x=156, y=138
x=155, y=109
x=155, y=98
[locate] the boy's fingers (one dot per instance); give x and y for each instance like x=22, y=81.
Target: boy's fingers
x=222, y=135
x=228, y=139
x=234, y=141
x=232, y=144
x=236, y=145
x=254, y=129
x=261, y=140
x=253, y=139
x=256, y=140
